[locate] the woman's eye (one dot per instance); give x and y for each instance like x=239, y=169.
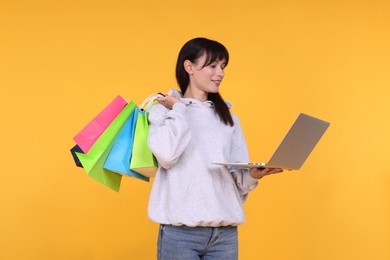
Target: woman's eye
x=215, y=65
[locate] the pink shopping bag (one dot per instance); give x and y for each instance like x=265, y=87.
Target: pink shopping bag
x=90, y=133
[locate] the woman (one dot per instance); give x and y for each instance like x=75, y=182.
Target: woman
x=197, y=203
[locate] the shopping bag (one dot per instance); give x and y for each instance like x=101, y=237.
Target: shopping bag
x=73, y=151
x=143, y=160
x=94, y=160
x=90, y=133
x=119, y=158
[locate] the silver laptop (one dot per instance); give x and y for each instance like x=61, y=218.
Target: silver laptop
x=295, y=147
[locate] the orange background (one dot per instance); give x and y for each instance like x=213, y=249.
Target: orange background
x=61, y=62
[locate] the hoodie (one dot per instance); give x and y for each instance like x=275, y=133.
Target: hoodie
x=188, y=188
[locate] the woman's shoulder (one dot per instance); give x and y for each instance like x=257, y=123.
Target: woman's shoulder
x=229, y=104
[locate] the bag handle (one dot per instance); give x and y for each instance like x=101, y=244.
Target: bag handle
x=148, y=102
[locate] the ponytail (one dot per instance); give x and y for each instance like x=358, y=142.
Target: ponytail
x=221, y=108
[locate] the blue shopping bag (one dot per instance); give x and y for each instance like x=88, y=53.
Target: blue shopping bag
x=120, y=155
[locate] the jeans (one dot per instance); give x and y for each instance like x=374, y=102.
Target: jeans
x=190, y=243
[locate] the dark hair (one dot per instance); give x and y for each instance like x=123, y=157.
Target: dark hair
x=192, y=51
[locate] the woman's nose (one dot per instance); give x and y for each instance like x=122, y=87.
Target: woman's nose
x=220, y=72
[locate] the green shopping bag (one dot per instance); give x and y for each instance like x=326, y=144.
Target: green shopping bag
x=143, y=160
x=94, y=160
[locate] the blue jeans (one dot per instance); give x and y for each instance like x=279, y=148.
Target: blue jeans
x=190, y=243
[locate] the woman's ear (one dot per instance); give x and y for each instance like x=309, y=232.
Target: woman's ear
x=188, y=66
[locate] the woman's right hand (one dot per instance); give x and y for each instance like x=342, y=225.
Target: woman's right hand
x=258, y=173
x=168, y=101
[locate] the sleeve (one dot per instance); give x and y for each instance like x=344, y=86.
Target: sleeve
x=239, y=153
x=169, y=133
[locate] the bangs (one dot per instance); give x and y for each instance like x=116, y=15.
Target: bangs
x=215, y=52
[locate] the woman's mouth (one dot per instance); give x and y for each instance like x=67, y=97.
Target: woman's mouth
x=217, y=81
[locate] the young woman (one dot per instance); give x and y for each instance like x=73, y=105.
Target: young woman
x=197, y=203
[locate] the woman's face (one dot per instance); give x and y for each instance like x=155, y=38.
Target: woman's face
x=207, y=79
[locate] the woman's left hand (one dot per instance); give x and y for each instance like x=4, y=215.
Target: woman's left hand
x=258, y=173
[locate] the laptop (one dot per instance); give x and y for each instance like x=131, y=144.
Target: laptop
x=295, y=148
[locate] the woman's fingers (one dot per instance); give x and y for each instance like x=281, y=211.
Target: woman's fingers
x=261, y=172
x=168, y=101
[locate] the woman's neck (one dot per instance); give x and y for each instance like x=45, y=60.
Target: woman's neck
x=195, y=94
